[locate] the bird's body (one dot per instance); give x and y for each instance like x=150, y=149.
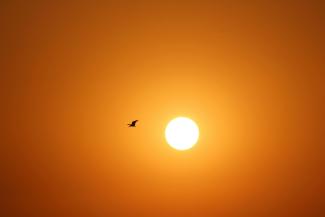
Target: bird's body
x=133, y=123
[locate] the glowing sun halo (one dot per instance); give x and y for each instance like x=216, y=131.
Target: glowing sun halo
x=182, y=133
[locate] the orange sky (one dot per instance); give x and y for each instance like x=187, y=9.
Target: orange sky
x=250, y=73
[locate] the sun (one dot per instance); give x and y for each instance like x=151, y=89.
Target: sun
x=182, y=133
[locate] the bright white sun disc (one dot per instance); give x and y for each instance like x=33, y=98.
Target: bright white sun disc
x=182, y=133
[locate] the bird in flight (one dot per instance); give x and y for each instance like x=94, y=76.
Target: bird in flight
x=133, y=123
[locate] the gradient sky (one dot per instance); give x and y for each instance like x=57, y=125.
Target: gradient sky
x=250, y=73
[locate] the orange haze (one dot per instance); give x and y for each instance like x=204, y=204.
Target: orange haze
x=250, y=73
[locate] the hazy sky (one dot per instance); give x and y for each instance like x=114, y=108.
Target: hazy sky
x=250, y=73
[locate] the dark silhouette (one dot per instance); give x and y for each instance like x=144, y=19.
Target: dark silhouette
x=133, y=123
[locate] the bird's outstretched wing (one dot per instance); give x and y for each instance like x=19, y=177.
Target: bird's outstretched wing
x=134, y=122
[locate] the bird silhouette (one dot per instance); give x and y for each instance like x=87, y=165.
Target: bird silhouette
x=133, y=123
